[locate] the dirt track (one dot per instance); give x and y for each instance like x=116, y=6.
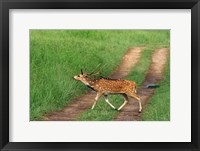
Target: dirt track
x=154, y=75
x=82, y=103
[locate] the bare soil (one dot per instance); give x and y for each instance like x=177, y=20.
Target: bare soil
x=154, y=75
x=82, y=103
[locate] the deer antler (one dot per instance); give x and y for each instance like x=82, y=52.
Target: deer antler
x=83, y=73
x=97, y=72
x=94, y=70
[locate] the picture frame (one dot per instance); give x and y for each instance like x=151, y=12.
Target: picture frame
x=5, y=5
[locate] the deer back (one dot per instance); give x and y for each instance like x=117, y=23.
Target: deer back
x=113, y=86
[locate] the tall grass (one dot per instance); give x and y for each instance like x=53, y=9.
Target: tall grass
x=57, y=55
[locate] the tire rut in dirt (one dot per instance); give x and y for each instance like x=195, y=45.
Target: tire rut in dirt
x=155, y=75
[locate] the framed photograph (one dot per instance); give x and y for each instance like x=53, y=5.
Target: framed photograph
x=99, y=75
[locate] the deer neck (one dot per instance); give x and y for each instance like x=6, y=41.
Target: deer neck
x=89, y=82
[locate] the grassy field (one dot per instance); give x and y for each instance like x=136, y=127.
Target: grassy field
x=58, y=55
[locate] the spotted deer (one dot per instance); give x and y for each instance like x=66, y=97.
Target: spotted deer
x=105, y=86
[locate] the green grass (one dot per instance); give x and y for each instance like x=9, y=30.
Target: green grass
x=158, y=108
x=58, y=55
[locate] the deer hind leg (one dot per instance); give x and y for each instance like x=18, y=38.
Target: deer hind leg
x=125, y=101
x=135, y=90
x=96, y=99
x=132, y=94
x=107, y=101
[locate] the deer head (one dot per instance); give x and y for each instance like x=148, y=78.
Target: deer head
x=84, y=75
x=80, y=76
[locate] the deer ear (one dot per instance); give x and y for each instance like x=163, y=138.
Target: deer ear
x=81, y=71
x=84, y=74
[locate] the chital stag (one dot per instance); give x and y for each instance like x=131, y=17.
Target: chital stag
x=105, y=86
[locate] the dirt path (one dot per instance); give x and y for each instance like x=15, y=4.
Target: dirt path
x=154, y=75
x=82, y=103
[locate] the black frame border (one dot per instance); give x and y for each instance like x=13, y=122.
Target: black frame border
x=5, y=5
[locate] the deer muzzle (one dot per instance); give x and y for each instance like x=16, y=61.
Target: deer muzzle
x=75, y=77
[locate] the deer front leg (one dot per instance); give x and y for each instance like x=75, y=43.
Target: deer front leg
x=139, y=101
x=96, y=99
x=107, y=101
x=125, y=101
x=132, y=94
